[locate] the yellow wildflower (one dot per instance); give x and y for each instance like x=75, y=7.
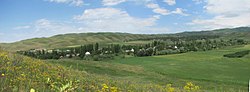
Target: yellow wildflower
x=113, y=89
x=191, y=87
x=3, y=74
x=22, y=74
x=170, y=88
x=104, y=87
x=32, y=90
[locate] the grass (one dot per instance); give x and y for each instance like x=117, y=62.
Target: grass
x=24, y=74
x=208, y=69
x=70, y=40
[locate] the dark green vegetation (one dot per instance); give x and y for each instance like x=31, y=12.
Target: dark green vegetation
x=237, y=54
x=160, y=47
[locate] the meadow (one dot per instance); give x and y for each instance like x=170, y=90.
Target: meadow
x=208, y=69
x=24, y=74
x=201, y=70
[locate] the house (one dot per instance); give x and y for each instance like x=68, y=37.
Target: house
x=87, y=53
x=175, y=47
x=132, y=50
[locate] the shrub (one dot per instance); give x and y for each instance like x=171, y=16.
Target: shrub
x=237, y=54
x=103, y=57
x=168, y=51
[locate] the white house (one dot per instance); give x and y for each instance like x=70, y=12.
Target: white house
x=87, y=53
x=175, y=47
x=50, y=51
x=132, y=50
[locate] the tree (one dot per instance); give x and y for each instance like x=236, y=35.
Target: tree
x=149, y=51
x=140, y=53
x=96, y=46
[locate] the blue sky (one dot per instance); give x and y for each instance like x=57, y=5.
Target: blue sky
x=24, y=19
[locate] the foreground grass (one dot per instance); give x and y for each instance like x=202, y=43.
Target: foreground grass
x=23, y=74
x=209, y=69
x=20, y=74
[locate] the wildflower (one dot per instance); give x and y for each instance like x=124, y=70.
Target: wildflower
x=113, y=89
x=104, y=87
x=191, y=87
x=22, y=75
x=32, y=90
x=3, y=74
x=170, y=88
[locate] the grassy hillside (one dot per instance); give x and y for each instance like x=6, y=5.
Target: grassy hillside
x=228, y=33
x=69, y=40
x=24, y=74
x=209, y=69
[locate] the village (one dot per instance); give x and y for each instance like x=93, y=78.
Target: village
x=157, y=47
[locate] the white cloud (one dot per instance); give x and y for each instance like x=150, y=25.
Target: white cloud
x=40, y=28
x=157, y=9
x=112, y=2
x=116, y=2
x=170, y=2
x=92, y=20
x=149, y=4
x=228, y=7
x=198, y=1
x=179, y=11
x=113, y=20
x=71, y=2
x=21, y=27
x=233, y=14
x=46, y=27
x=223, y=22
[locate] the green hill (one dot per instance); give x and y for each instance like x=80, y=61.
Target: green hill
x=23, y=74
x=74, y=39
x=228, y=33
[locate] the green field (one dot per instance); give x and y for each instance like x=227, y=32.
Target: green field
x=209, y=69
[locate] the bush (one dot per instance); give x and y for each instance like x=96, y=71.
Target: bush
x=103, y=57
x=168, y=51
x=237, y=54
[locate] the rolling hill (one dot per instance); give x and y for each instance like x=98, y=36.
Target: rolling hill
x=74, y=39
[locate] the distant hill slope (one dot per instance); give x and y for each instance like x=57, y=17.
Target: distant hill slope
x=227, y=33
x=73, y=39
x=65, y=40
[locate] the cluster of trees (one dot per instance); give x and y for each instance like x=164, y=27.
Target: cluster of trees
x=161, y=47
x=89, y=51
x=157, y=47
x=237, y=54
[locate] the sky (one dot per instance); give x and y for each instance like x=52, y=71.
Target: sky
x=25, y=19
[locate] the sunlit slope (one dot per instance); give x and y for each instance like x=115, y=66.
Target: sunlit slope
x=71, y=40
x=76, y=39
x=24, y=74
x=207, y=66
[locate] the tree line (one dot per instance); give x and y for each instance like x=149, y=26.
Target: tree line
x=156, y=47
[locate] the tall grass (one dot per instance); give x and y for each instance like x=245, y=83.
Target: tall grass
x=23, y=74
